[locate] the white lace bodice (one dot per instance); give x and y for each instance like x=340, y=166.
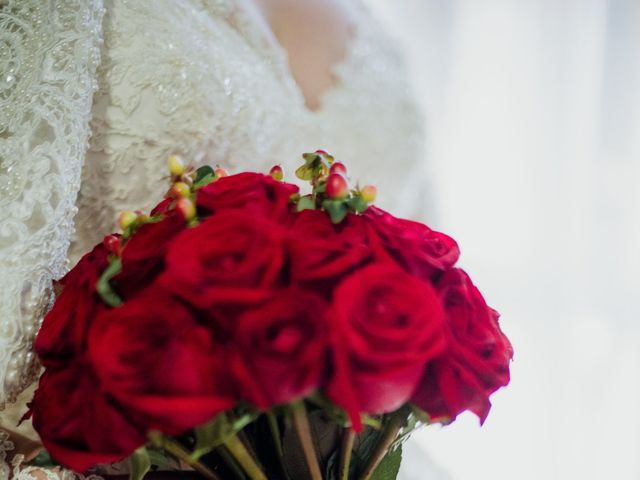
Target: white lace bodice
x=193, y=77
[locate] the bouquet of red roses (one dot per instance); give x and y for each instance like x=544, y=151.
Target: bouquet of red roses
x=249, y=331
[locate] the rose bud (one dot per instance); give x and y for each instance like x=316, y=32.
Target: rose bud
x=112, y=244
x=185, y=206
x=337, y=187
x=176, y=165
x=369, y=193
x=321, y=152
x=179, y=190
x=221, y=172
x=126, y=218
x=276, y=173
x=340, y=168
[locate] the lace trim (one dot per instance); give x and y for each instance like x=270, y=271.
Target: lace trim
x=48, y=61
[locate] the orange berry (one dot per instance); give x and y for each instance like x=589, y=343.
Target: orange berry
x=369, y=193
x=185, y=206
x=277, y=173
x=126, y=218
x=176, y=165
x=179, y=190
x=221, y=172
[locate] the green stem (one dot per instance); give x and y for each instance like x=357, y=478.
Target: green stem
x=301, y=423
x=237, y=472
x=389, y=434
x=181, y=453
x=275, y=433
x=346, y=451
x=244, y=458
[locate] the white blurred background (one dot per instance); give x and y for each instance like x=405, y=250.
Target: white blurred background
x=533, y=127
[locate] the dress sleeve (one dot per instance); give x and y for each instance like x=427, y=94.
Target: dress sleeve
x=49, y=51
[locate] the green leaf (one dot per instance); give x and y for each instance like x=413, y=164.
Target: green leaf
x=139, y=464
x=103, y=287
x=389, y=466
x=305, y=203
x=305, y=172
x=357, y=204
x=216, y=432
x=204, y=182
x=44, y=460
x=337, y=209
x=158, y=457
x=203, y=172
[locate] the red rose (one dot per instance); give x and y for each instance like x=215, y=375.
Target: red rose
x=279, y=350
x=320, y=249
x=163, y=207
x=250, y=191
x=143, y=254
x=420, y=250
x=63, y=331
x=476, y=360
x=158, y=363
x=78, y=425
x=228, y=258
x=390, y=325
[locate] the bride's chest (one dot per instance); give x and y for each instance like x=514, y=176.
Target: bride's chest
x=181, y=71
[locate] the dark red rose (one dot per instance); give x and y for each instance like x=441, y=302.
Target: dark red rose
x=476, y=360
x=420, y=250
x=279, y=349
x=163, y=207
x=78, y=425
x=143, y=254
x=63, y=331
x=158, y=363
x=390, y=325
x=320, y=249
x=229, y=258
x=249, y=191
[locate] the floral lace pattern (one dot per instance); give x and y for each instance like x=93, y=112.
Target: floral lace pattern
x=48, y=55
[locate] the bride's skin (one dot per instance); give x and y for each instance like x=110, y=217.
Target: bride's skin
x=315, y=34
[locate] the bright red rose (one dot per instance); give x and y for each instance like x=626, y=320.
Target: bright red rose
x=388, y=324
x=158, y=363
x=230, y=258
x=420, y=250
x=476, y=360
x=78, y=425
x=143, y=254
x=279, y=350
x=319, y=249
x=250, y=191
x=63, y=331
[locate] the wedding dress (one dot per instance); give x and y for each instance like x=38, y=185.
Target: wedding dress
x=95, y=95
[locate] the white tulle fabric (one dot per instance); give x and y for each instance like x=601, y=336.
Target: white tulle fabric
x=95, y=95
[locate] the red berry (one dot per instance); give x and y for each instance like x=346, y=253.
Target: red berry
x=340, y=168
x=337, y=186
x=277, y=173
x=112, y=244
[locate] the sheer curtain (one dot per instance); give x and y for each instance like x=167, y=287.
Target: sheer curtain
x=533, y=126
